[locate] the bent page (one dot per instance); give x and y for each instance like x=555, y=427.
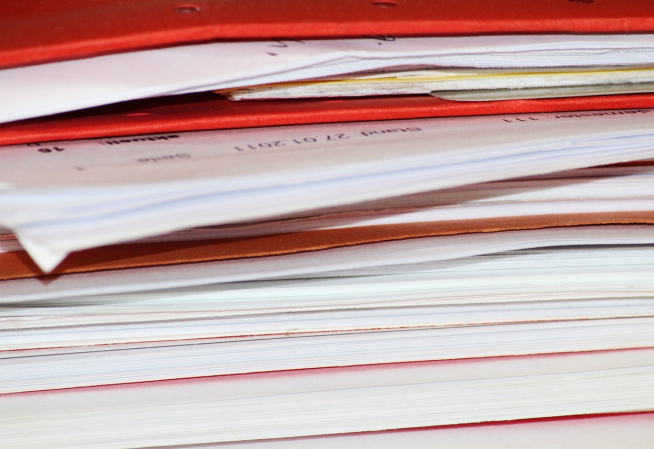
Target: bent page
x=401, y=252
x=84, y=83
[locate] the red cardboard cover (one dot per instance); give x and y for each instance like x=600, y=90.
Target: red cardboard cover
x=210, y=111
x=34, y=31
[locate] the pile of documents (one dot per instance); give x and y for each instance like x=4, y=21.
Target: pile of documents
x=374, y=66
x=200, y=287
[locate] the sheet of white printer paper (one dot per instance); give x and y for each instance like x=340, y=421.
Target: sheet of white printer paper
x=614, y=188
x=83, y=194
x=301, y=264
x=607, y=189
x=109, y=79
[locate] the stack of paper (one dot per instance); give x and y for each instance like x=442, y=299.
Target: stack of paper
x=369, y=244
x=179, y=70
x=83, y=194
x=223, y=287
x=465, y=84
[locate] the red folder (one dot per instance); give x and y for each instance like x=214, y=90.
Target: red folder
x=37, y=31
x=82, y=28
x=205, y=111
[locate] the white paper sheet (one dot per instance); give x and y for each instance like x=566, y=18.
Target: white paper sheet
x=609, y=189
